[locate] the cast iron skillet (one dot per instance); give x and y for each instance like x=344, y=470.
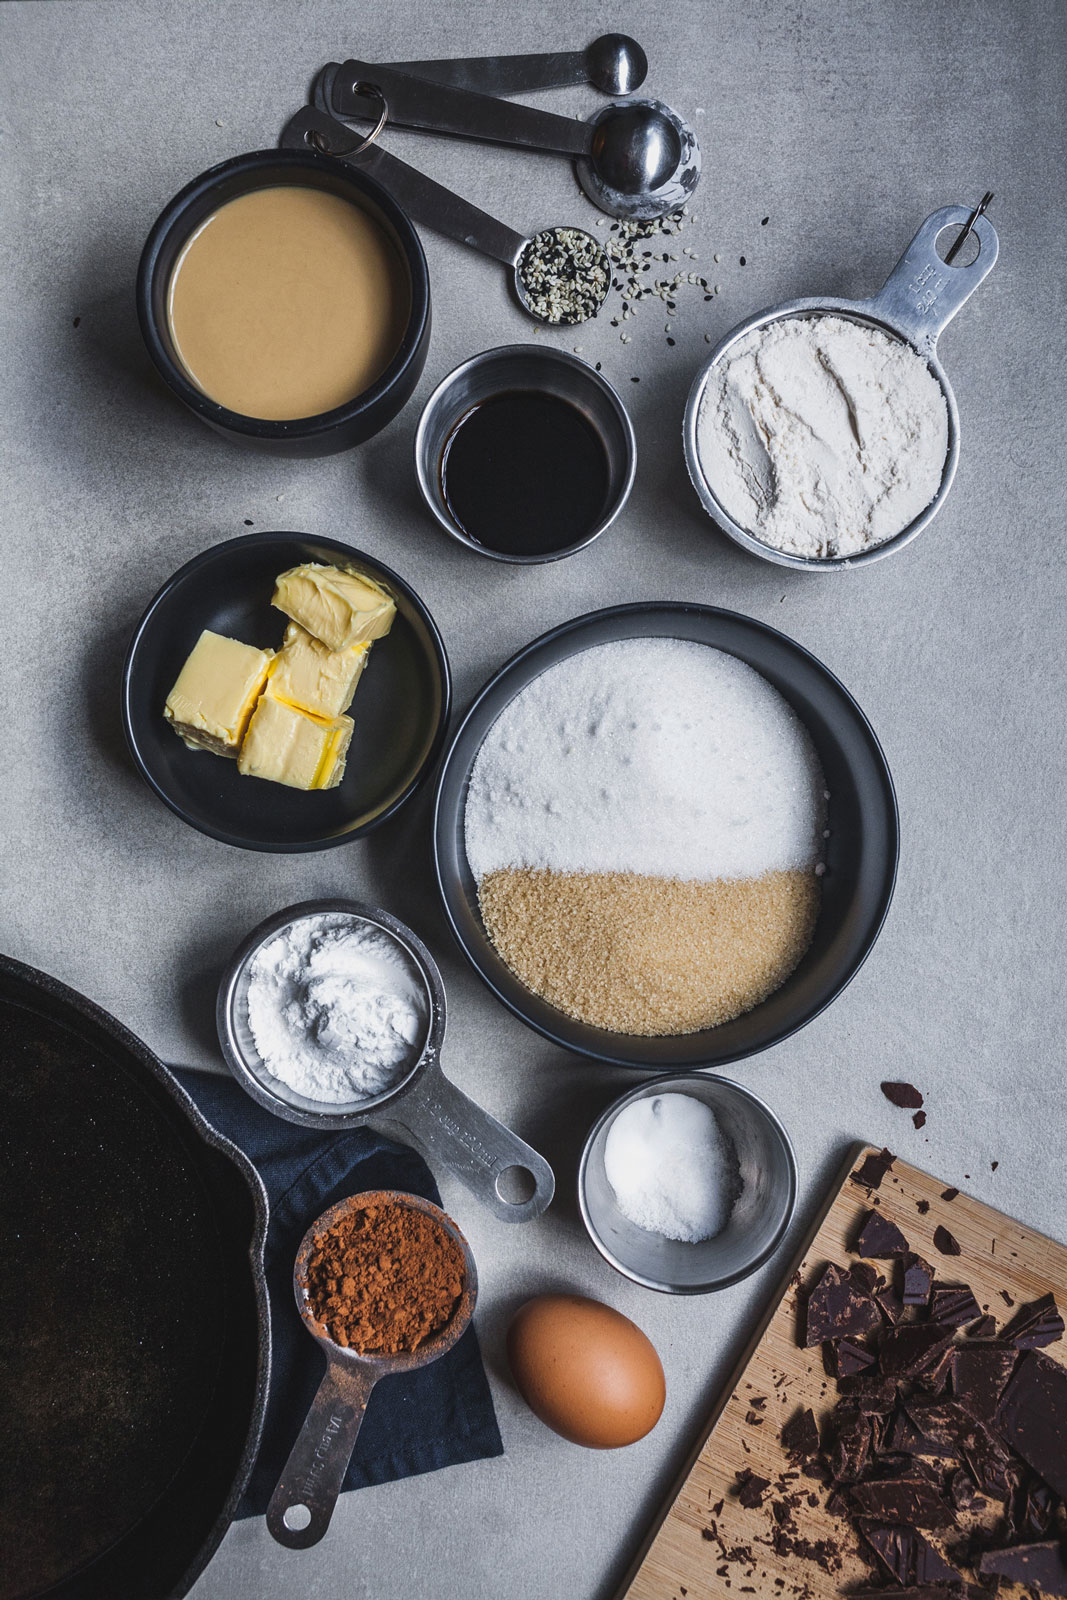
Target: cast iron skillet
x=134, y=1339
x=860, y=855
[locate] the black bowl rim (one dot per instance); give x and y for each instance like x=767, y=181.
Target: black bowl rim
x=308, y=428
x=287, y=847
x=557, y=1037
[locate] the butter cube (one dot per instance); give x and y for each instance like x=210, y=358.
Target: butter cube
x=294, y=747
x=308, y=675
x=340, y=608
x=216, y=691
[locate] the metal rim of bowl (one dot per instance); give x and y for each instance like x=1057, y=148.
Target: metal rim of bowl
x=853, y=311
x=554, y=1035
x=551, y=357
x=287, y=847
x=664, y=1085
x=172, y=218
x=251, y=1081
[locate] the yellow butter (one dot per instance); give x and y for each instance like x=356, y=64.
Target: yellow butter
x=215, y=693
x=339, y=608
x=286, y=745
x=314, y=678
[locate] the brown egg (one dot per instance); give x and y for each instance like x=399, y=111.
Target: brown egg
x=587, y=1371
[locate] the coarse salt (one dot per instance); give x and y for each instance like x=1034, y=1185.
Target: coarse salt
x=672, y=1169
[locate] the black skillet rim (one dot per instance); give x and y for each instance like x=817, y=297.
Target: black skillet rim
x=694, y=1061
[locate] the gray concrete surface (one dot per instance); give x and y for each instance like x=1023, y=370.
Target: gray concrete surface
x=845, y=125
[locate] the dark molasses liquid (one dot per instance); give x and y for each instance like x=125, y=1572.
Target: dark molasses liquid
x=525, y=473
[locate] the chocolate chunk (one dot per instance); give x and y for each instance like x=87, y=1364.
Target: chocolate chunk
x=912, y=1348
x=1041, y=1567
x=984, y=1328
x=961, y=1490
x=917, y=1281
x=949, y=1194
x=909, y=1557
x=935, y=1379
x=868, y=1391
x=865, y=1278
x=892, y=1304
x=944, y=1241
x=873, y=1169
x=919, y=1119
x=844, y=1358
x=880, y=1238
x=836, y=1309
x=991, y=1466
x=911, y=1502
x=942, y=1423
x=953, y=1305
x=904, y=1095
x=851, y=1448
x=926, y=1591
x=800, y=1436
x=907, y=1438
x=979, y=1374
x=1032, y=1509
x=1032, y=1416
x=751, y=1488
x=1034, y=1325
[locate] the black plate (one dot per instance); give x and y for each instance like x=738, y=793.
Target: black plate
x=861, y=853
x=134, y=1340
x=400, y=710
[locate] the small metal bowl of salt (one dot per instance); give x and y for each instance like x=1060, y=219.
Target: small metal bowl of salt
x=688, y=1183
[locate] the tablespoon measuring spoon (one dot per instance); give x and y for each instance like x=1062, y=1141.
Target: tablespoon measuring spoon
x=302, y=1504
x=635, y=159
x=614, y=64
x=445, y=212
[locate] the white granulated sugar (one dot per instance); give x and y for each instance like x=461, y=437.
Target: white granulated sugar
x=336, y=1008
x=672, y=1169
x=823, y=437
x=654, y=756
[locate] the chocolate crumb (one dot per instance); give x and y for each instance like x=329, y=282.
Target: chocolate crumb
x=922, y=1207
x=993, y=1165
x=77, y=322
x=949, y=1194
x=904, y=1095
x=945, y=1242
x=919, y=1119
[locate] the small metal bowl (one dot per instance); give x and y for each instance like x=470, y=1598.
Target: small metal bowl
x=915, y=304
x=525, y=366
x=758, y=1221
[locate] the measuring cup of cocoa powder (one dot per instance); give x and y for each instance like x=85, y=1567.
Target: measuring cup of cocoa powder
x=384, y=1282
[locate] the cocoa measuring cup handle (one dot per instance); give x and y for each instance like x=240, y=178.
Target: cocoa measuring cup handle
x=503, y=1171
x=923, y=293
x=302, y=1505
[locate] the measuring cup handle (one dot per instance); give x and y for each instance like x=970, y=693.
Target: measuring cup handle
x=427, y=202
x=312, y=1477
x=493, y=1162
x=922, y=293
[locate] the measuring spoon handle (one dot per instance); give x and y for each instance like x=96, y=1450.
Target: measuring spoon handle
x=923, y=293
x=488, y=1158
x=426, y=201
x=503, y=74
x=439, y=108
x=311, y=1478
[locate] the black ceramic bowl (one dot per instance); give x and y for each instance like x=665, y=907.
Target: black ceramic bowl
x=400, y=709
x=347, y=425
x=860, y=854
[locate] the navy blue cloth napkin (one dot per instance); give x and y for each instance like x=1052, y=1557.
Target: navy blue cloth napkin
x=416, y=1421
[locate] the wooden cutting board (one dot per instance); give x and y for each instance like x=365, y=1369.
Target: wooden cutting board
x=683, y=1557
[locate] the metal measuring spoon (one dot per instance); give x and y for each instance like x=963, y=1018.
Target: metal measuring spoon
x=637, y=159
x=439, y=208
x=614, y=64
x=302, y=1504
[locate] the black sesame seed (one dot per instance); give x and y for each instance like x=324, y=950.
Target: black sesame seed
x=743, y=263
x=670, y=341
x=635, y=380
x=765, y=221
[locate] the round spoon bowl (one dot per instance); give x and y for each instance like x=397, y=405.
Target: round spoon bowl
x=644, y=161
x=616, y=64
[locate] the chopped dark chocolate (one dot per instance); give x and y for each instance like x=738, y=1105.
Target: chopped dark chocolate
x=1041, y=1567
x=945, y=1241
x=912, y=1502
x=907, y=1438
x=909, y=1557
x=836, y=1309
x=851, y=1448
x=993, y=1468
x=913, y=1347
x=873, y=1169
x=868, y=1391
x=843, y=1358
x=953, y=1305
x=865, y=1277
x=903, y=1095
x=1035, y=1325
x=934, y=1380
x=916, y=1282
x=922, y=1207
x=984, y=1328
x=1032, y=1416
x=751, y=1488
x=800, y=1436
x=979, y=1374
x=949, y=1194
x=879, y=1238
x=961, y=1490
x=892, y=1304
x=1031, y=1511
x=942, y=1422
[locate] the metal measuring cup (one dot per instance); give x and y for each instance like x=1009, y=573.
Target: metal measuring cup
x=501, y=1169
x=302, y=1504
x=915, y=304
x=430, y=203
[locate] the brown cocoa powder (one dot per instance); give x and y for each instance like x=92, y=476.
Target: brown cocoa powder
x=384, y=1278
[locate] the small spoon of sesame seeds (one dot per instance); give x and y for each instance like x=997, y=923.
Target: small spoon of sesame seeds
x=561, y=275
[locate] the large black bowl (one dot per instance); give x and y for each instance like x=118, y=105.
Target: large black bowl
x=347, y=425
x=400, y=710
x=861, y=852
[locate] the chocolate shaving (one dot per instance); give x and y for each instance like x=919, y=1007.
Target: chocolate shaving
x=873, y=1169
x=880, y=1238
x=1035, y=1325
x=945, y=1242
x=904, y=1095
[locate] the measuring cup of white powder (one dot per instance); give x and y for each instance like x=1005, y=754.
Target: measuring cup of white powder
x=332, y=1014
x=824, y=433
